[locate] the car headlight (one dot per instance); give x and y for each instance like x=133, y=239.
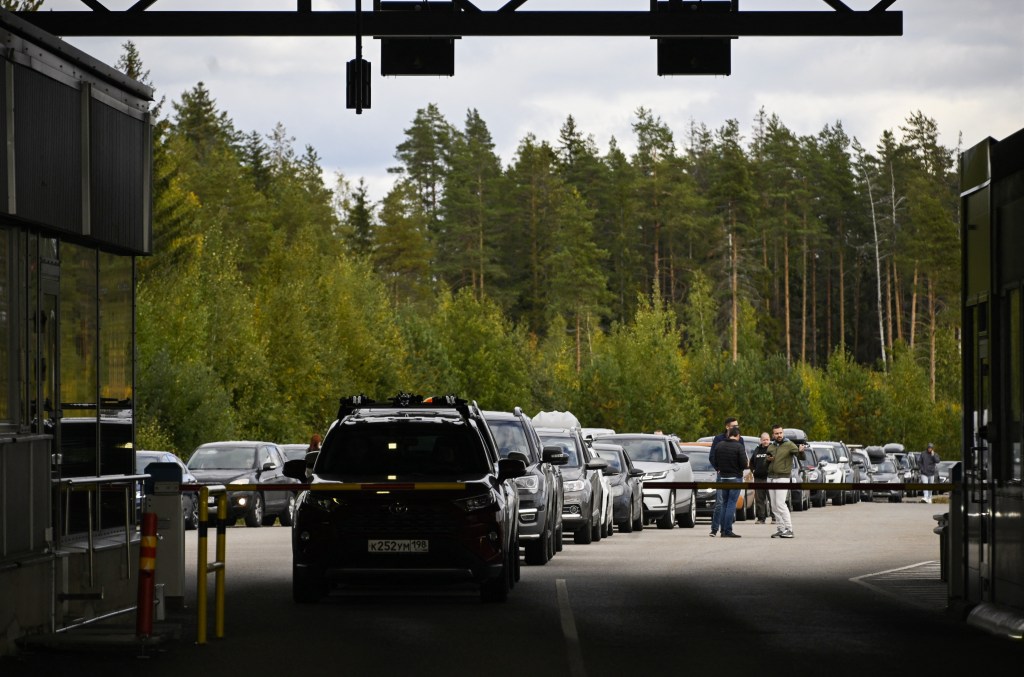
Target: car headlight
x=241, y=480
x=705, y=492
x=655, y=476
x=575, y=485
x=478, y=502
x=528, y=482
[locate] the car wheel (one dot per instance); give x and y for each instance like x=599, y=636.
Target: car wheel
x=550, y=542
x=559, y=535
x=840, y=499
x=596, y=532
x=496, y=589
x=254, y=518
x=192, y=513
x=517, y=564
x=668, y=520
x=627, y=526
x=308, y=585
x=289, y=511
x=689, y=519
x=638, y=520
x=537, y=551
x=584, y=535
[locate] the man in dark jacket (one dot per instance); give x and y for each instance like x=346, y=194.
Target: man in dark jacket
x=730, y=462
x=929, y=469
x=759, y=462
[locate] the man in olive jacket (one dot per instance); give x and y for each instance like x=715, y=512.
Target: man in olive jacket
x=782, y=453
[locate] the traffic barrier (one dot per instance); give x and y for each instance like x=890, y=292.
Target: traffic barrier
x=204, y=567
x=828, y=486
x=147, y=573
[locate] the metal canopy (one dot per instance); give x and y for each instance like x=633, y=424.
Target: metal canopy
x=668, y=18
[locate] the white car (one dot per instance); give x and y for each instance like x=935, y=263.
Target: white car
x=832, y=472
x=661, y=459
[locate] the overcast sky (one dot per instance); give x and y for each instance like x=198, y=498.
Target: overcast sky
x=960, y=62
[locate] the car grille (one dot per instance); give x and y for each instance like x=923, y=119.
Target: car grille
x=398, y=517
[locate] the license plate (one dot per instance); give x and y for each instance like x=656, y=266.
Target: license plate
x=398, y=545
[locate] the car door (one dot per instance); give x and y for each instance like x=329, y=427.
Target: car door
x=273, y=474
x=681, y=472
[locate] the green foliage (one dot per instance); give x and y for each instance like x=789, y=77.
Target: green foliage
x=552, y=283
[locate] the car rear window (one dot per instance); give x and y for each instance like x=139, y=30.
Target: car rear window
x=401, y=448
x=566, y=445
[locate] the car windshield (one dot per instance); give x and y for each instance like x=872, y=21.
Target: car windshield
x=614, y=462
x=223, y=458
x=699, y=460
x=825, y=453
x=294, y=452
x=401, y=448
x=645, y=450
x=885, y=466
x=141, y=461
x=509, y=436
x=564, y=443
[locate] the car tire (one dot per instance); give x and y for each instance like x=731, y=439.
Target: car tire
x=550, y=543
x=192, y=514
x=497, y=589
x=289, y=511
x=537, y=551
x=638, y=520
x=668, y=520
x=627, y=526
x=596, y=532
x=308, y=585
x=559, y=535
x=584, y=535
x=840, y=499
x=688, y=520
x=255, y=517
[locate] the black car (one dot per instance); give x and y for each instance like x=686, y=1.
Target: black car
x=246, y=462
x=627, y=486
x=540, y=489
x=410, y=489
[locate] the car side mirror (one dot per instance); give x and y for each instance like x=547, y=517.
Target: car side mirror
x=636, y=472
x=555, y=455
x=269, y=465
x=295, y=469
x=822, y=463
x=609, y=471
x=310, y=458
x=509, y=468
x=597, y=464
x=681, y=458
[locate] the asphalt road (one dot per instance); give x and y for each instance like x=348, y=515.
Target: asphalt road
x=855, y=593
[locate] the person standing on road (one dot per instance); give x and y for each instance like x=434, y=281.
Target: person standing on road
x=929, y=469
x=783, y=453
x=716, y=515
x=731, y=461
x=759, y=462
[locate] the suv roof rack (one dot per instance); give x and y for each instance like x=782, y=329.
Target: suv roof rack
x=349, y=405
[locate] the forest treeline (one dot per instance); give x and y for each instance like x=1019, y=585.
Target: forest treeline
x=804, y=280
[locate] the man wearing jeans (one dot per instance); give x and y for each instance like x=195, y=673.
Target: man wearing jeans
x=929, y=469
x=782, y=452
x=730, y=462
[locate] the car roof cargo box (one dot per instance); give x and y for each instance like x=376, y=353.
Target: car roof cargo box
x=795, y=435
x=875, y=453
x=894, y=448
x=555, y=419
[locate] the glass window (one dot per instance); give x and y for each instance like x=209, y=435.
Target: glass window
x=78, y=363
x=5, y=327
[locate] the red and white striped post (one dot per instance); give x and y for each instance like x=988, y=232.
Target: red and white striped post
x=147, y=575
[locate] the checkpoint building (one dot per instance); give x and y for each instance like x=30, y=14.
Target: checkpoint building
x=75, y=211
